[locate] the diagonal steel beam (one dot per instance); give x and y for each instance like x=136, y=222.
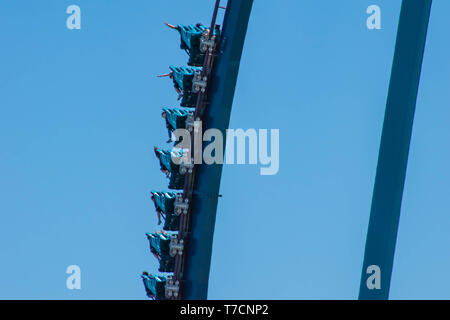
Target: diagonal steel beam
x=394, y=148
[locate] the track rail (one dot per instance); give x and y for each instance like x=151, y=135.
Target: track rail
x=188, y=191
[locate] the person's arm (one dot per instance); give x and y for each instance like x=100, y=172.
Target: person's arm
x=172, y=26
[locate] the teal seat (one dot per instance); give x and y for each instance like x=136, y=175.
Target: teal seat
x=191, y=36
x=155, y=286
x=176, y=118
x=164, y=204
x=183, y=79
x=176, y=179
x=160, y=247
x=183, y=76
x=190, y=41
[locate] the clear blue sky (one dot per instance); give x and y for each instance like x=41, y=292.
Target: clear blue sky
x=80, y=114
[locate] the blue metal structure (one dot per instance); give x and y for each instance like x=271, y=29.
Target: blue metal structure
x=394, y=148
x=217, y=115
x=210, y=90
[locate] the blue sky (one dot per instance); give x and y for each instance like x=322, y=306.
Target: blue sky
x=80, y=114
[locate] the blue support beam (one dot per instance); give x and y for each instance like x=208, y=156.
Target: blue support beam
x=217, y=115
x=394, y=148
